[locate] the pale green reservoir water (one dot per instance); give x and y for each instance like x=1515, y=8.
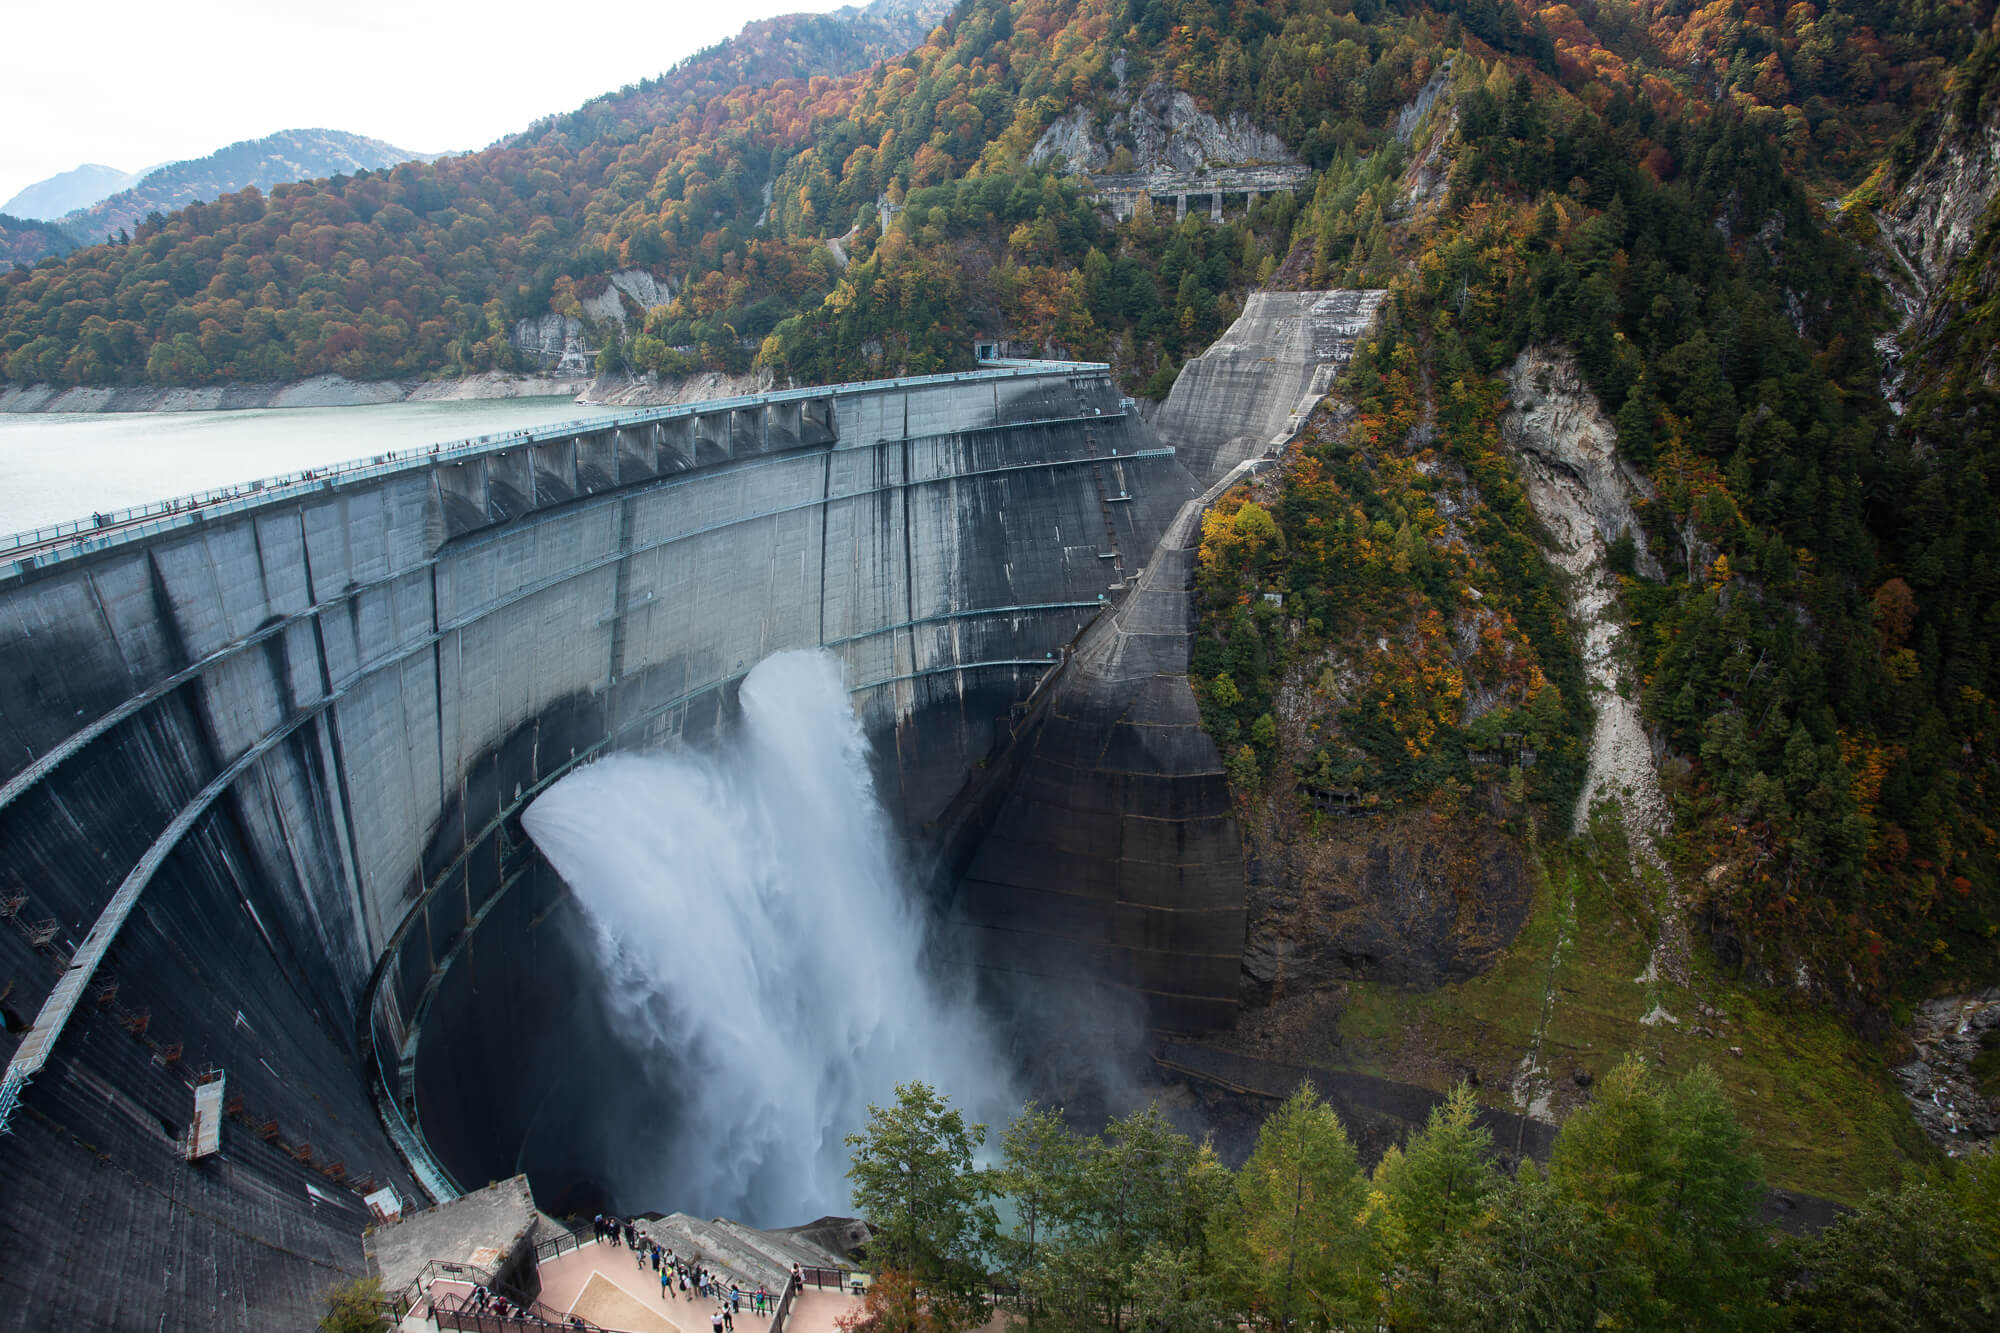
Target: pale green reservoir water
x=62, y=466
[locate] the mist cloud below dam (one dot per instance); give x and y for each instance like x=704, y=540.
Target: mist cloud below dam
x=762, y=952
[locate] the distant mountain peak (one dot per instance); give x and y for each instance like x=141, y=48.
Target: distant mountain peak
x=64, y=192
x=287, y=155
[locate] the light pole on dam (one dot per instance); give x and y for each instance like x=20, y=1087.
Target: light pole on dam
x=262, y=757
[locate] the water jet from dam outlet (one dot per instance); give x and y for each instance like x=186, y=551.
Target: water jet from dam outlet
x=762, y=952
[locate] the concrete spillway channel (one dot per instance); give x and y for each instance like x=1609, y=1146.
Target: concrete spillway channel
x=262, y=760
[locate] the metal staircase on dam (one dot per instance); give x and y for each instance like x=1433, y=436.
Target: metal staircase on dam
x=1087, y=415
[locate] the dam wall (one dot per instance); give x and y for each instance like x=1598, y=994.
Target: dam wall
x=1254, y=386
x=263, y=753
x=1115, y=859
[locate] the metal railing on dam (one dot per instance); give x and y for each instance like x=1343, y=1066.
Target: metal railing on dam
x=34, y=547
x=262, y=754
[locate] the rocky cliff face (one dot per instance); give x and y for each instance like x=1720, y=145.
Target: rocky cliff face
x=1932, y=205
x=556, y=344
x=1163, y=130
x=553, y=344
x=1402, y=899
x=1952, y=1036
x=631, y=293
x=1557, y=427
x=1581, y=493
x=1931, y=221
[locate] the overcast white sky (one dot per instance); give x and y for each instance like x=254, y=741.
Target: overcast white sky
x=132, y=83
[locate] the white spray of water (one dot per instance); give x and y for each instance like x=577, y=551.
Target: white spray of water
x=758, y=941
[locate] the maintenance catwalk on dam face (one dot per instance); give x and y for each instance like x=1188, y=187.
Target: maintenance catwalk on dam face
x=264, y=755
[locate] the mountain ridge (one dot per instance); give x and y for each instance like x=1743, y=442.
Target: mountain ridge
x=79, y=187
x=272, y=159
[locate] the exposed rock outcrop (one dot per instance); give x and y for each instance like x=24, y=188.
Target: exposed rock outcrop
x=1582, y=495
x=1949, y=1034
x=1928, y=217
x=1400, y=899
x=1933, y=218
x=628, y=294
x=1427, y=180
x=1419, y=106
x=1578, y=489
x=1163, y=130
x=554, y=344
x=1556, y=422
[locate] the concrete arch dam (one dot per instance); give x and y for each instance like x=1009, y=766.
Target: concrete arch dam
x=262, y=757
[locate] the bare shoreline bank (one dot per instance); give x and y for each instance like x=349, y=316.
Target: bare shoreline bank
x=335, y=391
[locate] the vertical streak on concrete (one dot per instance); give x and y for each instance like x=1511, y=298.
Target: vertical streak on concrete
x=333, y=755
x=621, y=592
x=909, y=548
x=825, y=503
x=327, y=731
x=437, y=720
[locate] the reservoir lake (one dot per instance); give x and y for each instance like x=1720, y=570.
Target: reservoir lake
x=60, y=466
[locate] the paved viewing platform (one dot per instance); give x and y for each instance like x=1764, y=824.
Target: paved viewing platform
x=605, y=1287
x=435, y=1264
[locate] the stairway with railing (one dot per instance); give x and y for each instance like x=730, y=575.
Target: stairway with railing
x=1087, y=414
x=458, y=1308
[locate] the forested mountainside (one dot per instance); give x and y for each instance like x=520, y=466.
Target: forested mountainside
x=424, y=268
x=1666, y=218
x=25, y=240
x=1806, y=599
x=288, y=155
